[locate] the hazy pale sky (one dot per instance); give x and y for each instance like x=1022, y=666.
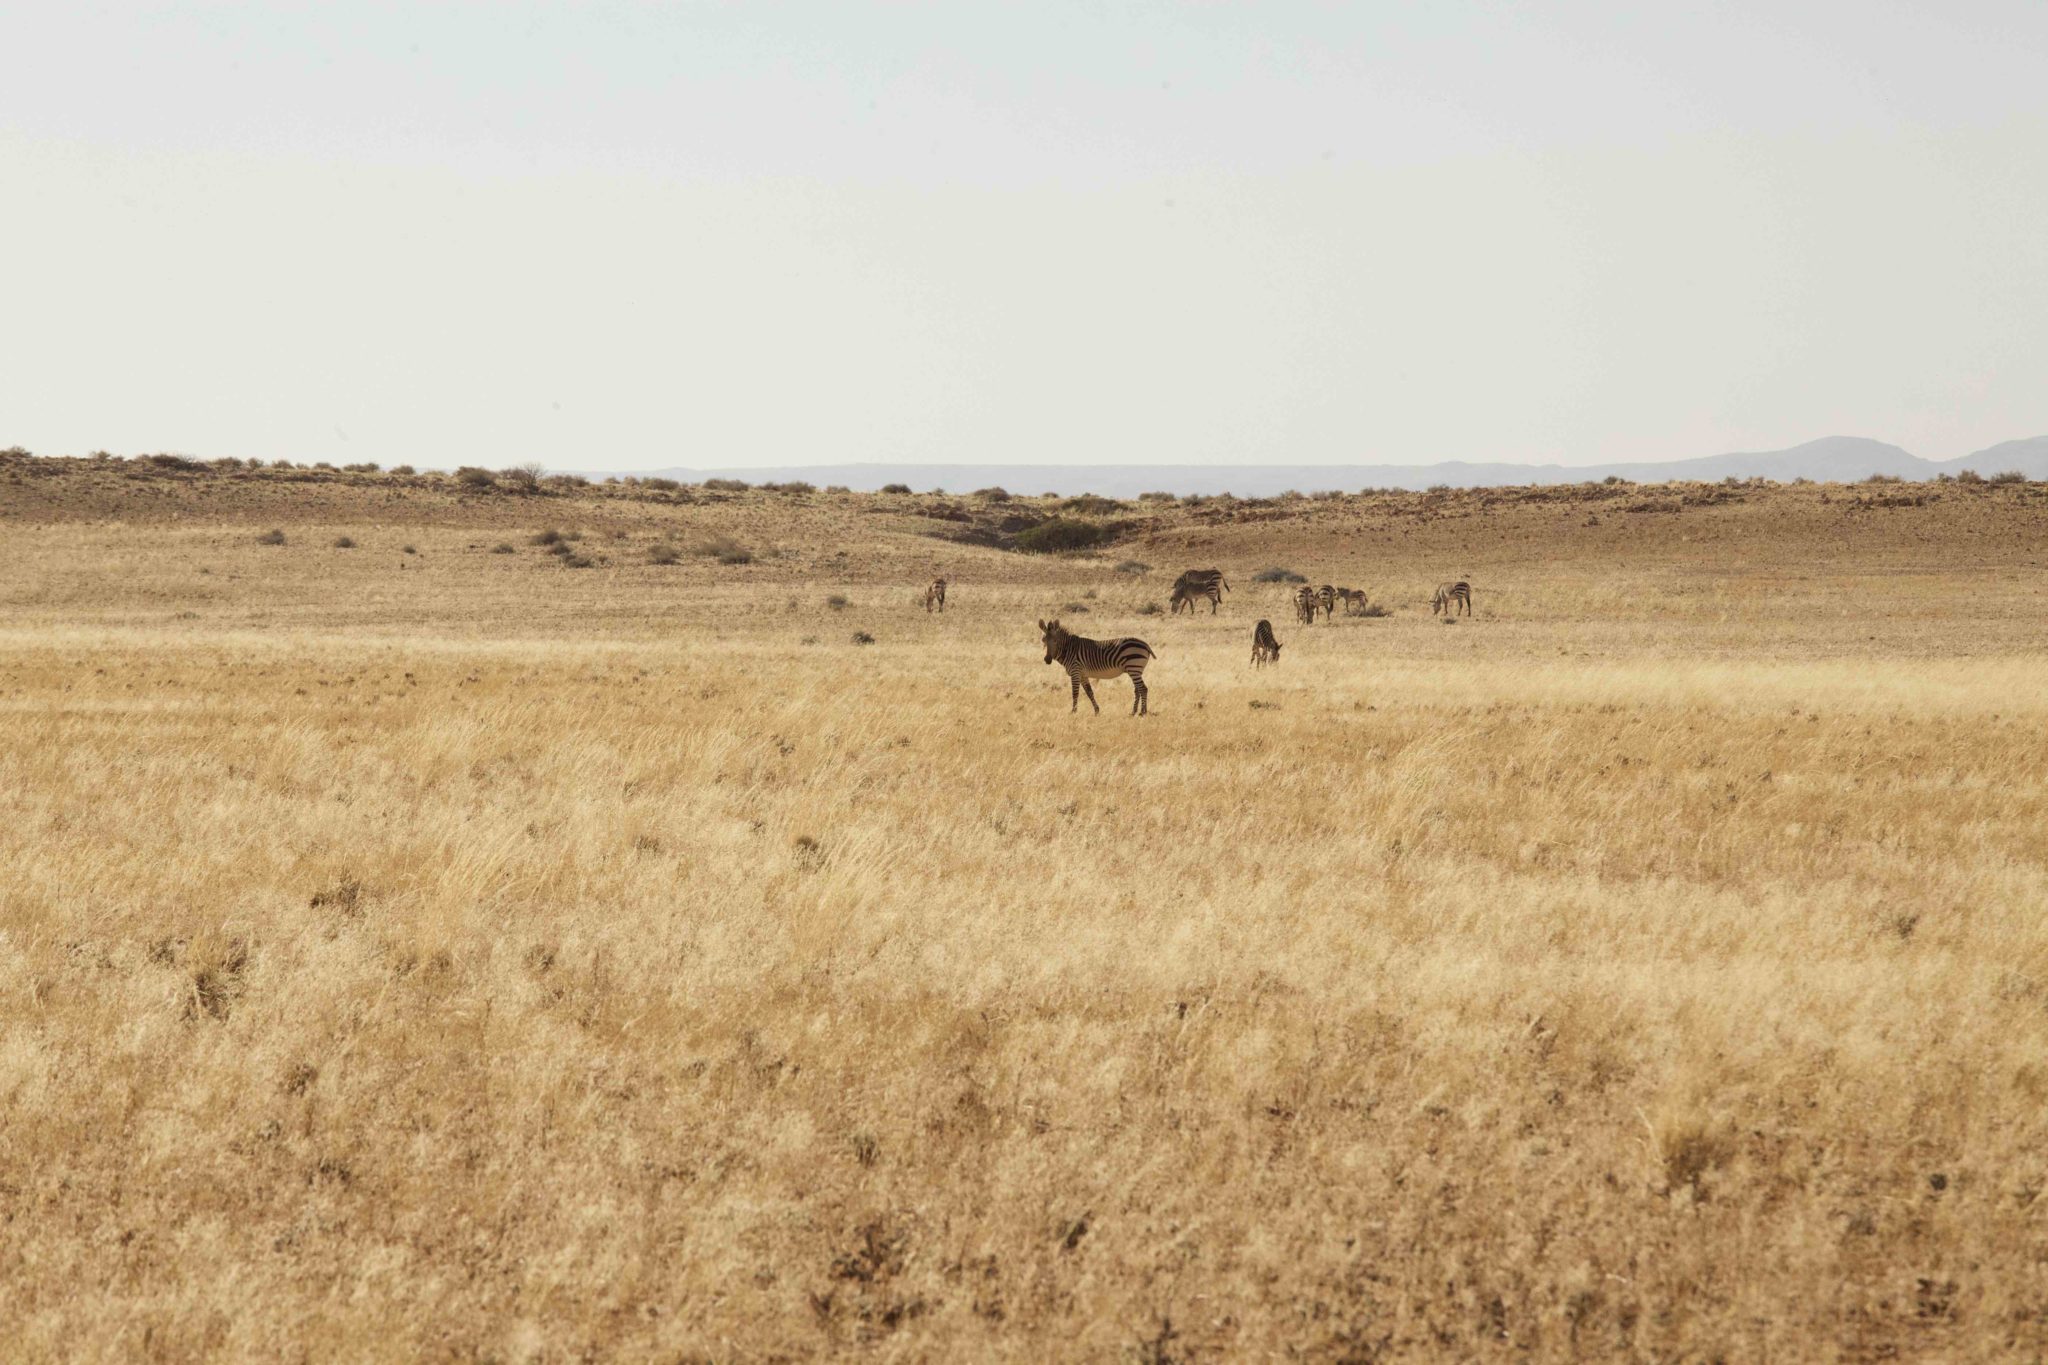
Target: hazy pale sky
x=616, y=237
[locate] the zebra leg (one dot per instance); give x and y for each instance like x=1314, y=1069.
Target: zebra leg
x=1077, y=696
x=1089, y=688
x=1138, y=693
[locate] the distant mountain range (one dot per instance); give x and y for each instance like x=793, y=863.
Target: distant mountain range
x=1832, y=459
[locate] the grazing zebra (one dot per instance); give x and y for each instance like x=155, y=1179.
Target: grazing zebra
x=1450, y=596
x=935, y=596
x=1192, y=586
x=1326, y=598
x=1265, y=649
x=1305, y=606
x=1084, y=659
x=1353, y=600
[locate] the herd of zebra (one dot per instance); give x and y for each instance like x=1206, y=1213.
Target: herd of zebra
x=1086, y=660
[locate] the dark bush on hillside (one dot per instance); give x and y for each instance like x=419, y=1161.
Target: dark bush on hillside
x=793, y=486
x=566, y=481
x=549, y=537
x=861, y=637
x=1091, y=505
x=576, y=562
x=503, y=548
x=271, y=537
x=1134, y=567
x=179, y=462
x=344, y=543
x=408, y=549
x=2009, y=476
x=1156, y=497
x=1968, y=476
x=522, y=478
x=726, y=485
x=992, y=494
x=405, y=469
x=1277, y=575
x=896, y=488
x=1150, y=609
x=469, y=476
x=837, y=602
x=1060, y=536
x=1375, y=609
x=837, y=488
x=366, y=467
x=664, y=553
x=661, y=485
x=721, y=547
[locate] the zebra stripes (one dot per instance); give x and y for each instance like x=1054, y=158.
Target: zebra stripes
x=1195, y=584
x=935, y=596
x=1326, y=598
x=1265, y=649
x=1353, y=600
x=1450, y=596
x=1305, y=606
x=1085, y=659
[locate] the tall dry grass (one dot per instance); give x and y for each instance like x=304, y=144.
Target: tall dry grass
x=481, y=960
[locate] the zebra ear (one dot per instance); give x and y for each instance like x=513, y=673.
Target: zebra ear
x=1041, y=625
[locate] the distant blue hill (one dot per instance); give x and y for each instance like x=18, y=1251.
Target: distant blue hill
x=1832, y=459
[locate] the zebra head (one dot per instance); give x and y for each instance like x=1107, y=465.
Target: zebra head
x=1056, y=638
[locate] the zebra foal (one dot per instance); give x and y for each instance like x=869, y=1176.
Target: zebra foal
x=935, y=596
x=1085, y=659
x=1265, y=649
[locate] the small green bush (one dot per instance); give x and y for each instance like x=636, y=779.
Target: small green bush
x=896, y=488
x=1060, y=536
x=469, y=476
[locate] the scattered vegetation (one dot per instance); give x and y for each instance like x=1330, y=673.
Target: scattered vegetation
x=471, y=477
x=664, y=552
x=344, y=543
x=1134, y=567
x=1278, y=575
x=902, y=488
x=274, y=536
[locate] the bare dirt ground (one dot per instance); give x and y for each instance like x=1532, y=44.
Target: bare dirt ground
x=422, y=948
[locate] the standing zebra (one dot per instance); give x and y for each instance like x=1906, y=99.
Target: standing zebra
x=1084, y=659
x=1192, y=586
x=1305, y=606
x=1265, y=649
x=1450, y=596
x=1354, y=601
x=935, y=596
x=1326, y=598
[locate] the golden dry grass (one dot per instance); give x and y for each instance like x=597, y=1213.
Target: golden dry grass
x=457, y=955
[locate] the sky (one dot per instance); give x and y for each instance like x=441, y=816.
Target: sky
x=616, y=237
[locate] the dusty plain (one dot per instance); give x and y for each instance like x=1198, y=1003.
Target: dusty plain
x=422, y=949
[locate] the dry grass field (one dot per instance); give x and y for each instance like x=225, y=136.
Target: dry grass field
x=422, y=949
